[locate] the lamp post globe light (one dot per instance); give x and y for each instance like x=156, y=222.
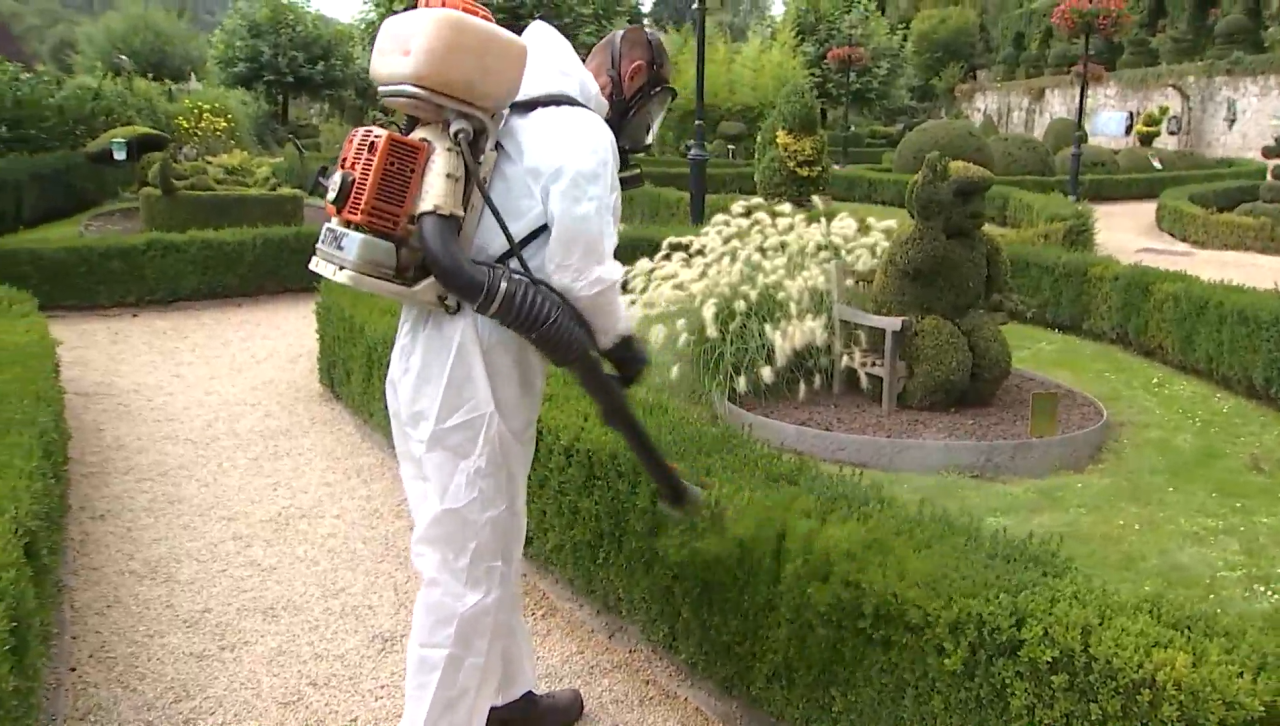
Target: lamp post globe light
x=1083, y=19
x=698, y=155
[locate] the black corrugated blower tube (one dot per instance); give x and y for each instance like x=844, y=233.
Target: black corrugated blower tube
x=541, y=315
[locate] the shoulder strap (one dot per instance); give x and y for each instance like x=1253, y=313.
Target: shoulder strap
x=529, y=105
x=523, y=244
x=526, y=105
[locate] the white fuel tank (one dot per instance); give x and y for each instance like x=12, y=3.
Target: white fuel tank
x=450, y=52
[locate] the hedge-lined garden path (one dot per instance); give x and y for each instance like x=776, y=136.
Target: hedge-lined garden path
x=1128, y=232
x=238, y=544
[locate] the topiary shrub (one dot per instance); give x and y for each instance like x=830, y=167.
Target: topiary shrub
x=1060, y=60
x=1149, y=126
x=1094, y=160
x=1233, y=34
x=944, y=272
x=732, y=131
x=139, y=141
x=1178, y=45
x=1020, y=155
x=955, y=139
x=1031, y=64
x=1060, y=133
x=225, y=172
x=988, y=126
x=791, y=148
x=718, y=149
x=1135, y=160
x=1138, y=53
x=1268, y=204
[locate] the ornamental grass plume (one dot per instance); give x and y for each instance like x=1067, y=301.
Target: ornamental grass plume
x=749, y=297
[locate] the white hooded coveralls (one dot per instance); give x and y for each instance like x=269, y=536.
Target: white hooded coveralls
x=463, y=394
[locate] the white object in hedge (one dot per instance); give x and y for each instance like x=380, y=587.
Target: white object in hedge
x=750, y=292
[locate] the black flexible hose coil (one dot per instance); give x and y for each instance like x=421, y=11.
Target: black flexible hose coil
x=542, y=316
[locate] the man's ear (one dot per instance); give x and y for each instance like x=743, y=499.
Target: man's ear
x=634, y=77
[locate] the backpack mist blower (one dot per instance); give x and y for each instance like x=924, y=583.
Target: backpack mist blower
x=405, y=206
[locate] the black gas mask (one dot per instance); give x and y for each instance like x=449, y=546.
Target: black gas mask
x=635, y=120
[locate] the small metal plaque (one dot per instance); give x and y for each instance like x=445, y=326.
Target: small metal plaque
x=1044, y=414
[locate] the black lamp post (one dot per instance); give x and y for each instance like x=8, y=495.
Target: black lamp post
x=1073, y=180
x=698, y=155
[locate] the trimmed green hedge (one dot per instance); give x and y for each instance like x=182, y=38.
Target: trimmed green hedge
x=48, y=187
x=874, y=183
x=1227, y=334
x=33, y=485
x=189, y=210
x=1200, y=215
x=878, y=185
x=824, y=600
x=158, y=267
x=1037, y=219
x=821, y=599
x=720, y=180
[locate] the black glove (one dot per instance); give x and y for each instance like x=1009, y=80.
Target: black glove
x=628, y=358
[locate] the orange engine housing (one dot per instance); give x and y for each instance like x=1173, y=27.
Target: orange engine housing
x=470, y=7
x=381, y=173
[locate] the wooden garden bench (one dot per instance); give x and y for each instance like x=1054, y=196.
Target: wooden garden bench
x=883, y=364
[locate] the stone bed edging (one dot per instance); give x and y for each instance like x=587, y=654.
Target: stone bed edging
x=1028, y=458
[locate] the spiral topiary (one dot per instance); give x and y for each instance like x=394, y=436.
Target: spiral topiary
x=1233, y=34
x=956, y=139
x=945, y=273
x=1138, y=53
x=1021, y=155
x=1268, y=204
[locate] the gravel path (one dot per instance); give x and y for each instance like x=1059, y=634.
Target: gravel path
x=238, y=545
x=1128, y=231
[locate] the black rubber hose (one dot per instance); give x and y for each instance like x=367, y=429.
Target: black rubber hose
x=542, y=316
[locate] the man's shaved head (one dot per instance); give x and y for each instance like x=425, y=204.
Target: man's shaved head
x=637, y=53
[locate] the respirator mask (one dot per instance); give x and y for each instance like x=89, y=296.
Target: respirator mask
x=635, y=120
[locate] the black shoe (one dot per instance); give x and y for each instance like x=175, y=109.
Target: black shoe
x=554, y=708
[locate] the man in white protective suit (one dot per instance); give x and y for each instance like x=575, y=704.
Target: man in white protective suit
x=463, y=393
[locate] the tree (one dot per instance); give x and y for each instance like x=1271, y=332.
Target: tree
x=940, y=41
x=45, y=29
x=671, y=13
x=821, y=25
x=156, y=44
x=584, y=24
x=281, y=48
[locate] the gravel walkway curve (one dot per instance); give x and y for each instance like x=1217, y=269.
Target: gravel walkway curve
x=1128, y=232
x=238, y=545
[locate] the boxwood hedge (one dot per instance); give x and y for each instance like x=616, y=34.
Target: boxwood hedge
x=823, y=600
x=874, y=183
x=879, y=185
x=192, y=210
x=1200, y=215
x=33, y=483
x=818, y=597
x=48, y=187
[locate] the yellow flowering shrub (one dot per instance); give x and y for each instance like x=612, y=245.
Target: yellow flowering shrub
x=748, y=297
x=803, y=155
x=208, y=127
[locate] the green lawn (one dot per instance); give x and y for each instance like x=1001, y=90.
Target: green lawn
x=1186, y=497
x=61, y=227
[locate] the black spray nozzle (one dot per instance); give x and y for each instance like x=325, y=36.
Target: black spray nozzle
x=542, y=316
